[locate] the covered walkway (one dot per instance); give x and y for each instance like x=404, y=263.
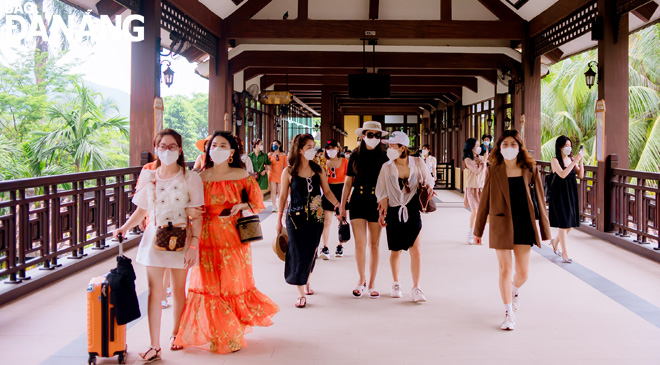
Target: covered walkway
x=602, y=309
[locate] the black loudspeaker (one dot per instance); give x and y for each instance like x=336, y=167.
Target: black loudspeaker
x=597, y=29
x=369, y=86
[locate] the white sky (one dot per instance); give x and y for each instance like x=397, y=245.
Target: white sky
x=108, y=63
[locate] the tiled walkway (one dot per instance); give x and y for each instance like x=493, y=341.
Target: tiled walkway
x=602, y=309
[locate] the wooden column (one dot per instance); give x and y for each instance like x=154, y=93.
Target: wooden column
x=532, y=99
x=145, y=72
x=613, y=81
x=326, y=114
x=500, y=112
x=218, y=96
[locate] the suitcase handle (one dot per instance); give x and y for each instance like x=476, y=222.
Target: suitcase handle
x=121, y=247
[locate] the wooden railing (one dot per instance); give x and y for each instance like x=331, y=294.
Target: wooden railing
x=587, y=191
x=445, y=175
x=635, y=205
x=45, y=219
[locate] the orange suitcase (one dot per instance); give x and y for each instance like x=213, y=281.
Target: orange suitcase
x=105, y=338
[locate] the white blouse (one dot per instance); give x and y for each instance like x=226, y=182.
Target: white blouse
x=388, y=184
x=172, y=197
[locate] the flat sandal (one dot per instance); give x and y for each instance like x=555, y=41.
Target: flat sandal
x=155, y=357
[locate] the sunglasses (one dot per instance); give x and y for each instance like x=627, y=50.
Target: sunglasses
x=277, y=157
x=373, y=135
x=333, y=174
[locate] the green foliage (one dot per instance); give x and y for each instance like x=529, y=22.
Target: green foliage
x=187, y=115
x=83, y=119
x=567, y=105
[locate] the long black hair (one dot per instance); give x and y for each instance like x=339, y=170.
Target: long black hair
x=279, y=144
x=559, y=144
x=360, y=164
x=295, y=156
x=235, y=157
x=468, y=147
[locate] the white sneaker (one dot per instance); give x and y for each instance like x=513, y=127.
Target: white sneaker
x=509, y=322
x=164, y=304
x=417, y=295
x=516, y=301
x=325, y=253
x=470, y=238
x=396, y=290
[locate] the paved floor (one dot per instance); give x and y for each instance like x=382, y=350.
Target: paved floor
x=602, y=309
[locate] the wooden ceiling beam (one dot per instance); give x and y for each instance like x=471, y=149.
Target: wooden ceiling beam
x=355, y=29
x=500, y=10
x=468, y=82
x=245, y=12
x=110, y=8
x=445, y=10
x=378, y=110
x=394, y=89
x=319, y=59
x=554, y=56
x=249, y=73
x=201, y=14
x=645, y=12
x=558, y=11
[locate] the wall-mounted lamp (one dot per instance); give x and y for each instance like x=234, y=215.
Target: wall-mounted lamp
x=168, y=74
x=250, y=120
x=590, y=75
x=507, y=122
x=489, y=121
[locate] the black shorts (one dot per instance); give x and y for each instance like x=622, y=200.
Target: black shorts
x=336, y=190
x=363, y=204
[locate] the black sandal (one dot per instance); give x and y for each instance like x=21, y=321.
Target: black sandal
x=154, y=357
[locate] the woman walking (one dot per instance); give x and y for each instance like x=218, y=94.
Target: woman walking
x=304, y=179
x=167, y=194
x=398, y=202
x=507, y=202
x=475, y=176
x=363, y=169
x=277, y=160
x=223, y=302
x=260, y=164
x=564, y=204
x=336, y=167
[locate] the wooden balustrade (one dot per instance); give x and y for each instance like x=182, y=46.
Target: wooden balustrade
x=635, y=205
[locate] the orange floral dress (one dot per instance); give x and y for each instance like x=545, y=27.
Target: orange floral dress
x=223, y=302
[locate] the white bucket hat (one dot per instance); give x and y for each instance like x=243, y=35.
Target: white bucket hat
x=371, y=126
x=398, y=137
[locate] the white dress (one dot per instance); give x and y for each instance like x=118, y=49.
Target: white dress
x=173, y=196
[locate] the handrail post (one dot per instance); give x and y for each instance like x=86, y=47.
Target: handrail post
x=604, y=211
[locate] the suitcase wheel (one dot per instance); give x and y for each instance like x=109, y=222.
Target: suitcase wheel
x=121, y=359
x=91, y=360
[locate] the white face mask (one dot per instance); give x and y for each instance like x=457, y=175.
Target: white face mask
x=219, y=156
x=310, y=154
x=486, y=143
x=331, y=153
x=477, y=150
x=372, y=142
x=425, y=153
x=393, y=153
x=566, y=151
x=509, y=153
x=168, y=157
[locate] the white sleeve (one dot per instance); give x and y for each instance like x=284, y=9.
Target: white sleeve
x=248, y=164
x=381, y=184
x=143, y=194
x=195, y=189
x=426, y=174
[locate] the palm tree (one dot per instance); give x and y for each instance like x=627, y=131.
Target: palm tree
x=82, y=118
x=567, y=105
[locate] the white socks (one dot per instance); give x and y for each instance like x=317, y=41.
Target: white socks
x=514, y=289
x=508, y=308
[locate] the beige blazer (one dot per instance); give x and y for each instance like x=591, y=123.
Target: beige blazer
x=495, y=205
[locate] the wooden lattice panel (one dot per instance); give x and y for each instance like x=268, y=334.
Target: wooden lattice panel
x=175, y=21
x=573, y=26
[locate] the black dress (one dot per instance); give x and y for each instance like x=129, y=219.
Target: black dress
x=363, y=204
x=523, y=231
x=564, y=205
x=402, y=235
x=304, y=224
